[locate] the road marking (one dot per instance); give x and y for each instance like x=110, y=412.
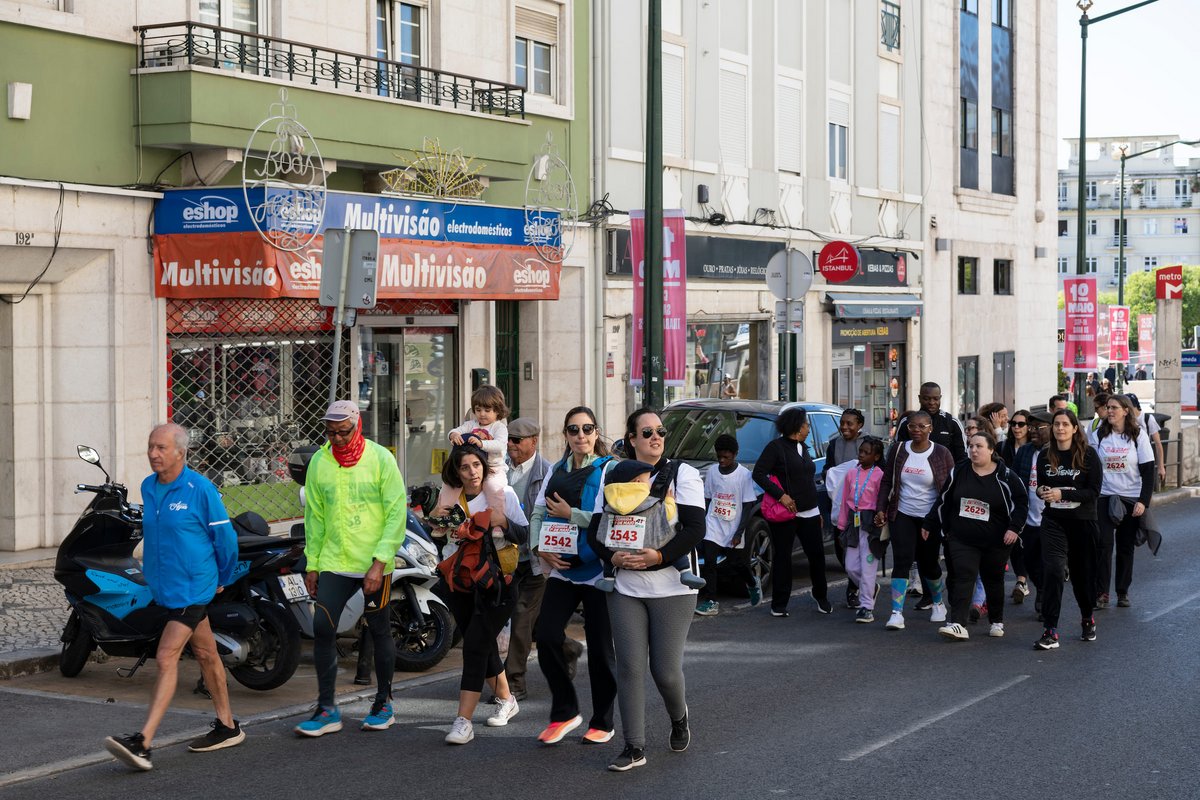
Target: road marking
x=1171, y=608
x=925, y=723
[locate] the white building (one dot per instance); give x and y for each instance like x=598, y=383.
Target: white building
x=1162, y=224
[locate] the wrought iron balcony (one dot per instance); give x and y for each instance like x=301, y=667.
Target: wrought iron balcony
x=195, y=44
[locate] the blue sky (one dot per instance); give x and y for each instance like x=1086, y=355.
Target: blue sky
x=1142, y=71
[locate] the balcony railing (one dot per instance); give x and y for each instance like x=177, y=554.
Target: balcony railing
x=195, y=44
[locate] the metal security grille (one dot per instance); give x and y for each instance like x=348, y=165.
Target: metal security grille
x=250, y=380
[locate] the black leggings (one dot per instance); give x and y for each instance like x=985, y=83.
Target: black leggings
x=973, y=561
x=908, y=546
x=561, y=599
x=1031, y=543
x=783, y=536
x=480, y=623
x=734, y=556
x=333, y=591
x=1124, y=534
x=1068, y=542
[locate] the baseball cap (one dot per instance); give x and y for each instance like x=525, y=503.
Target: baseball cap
x=626, y=471
x=340, y=411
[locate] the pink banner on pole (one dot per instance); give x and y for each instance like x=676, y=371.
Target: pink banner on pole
x=674, y=296
x=1118, y=334
x=1079, y=348
x=1145, y=338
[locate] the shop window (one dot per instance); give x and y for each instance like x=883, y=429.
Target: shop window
x=968, y=275
x=1002, y=277
x=723, y=360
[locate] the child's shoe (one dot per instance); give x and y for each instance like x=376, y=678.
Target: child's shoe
x=606, y=584
x=692, y=580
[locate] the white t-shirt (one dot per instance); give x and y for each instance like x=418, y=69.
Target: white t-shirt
x=917, y=489
x=1120, y=459
x=728, y=493
x=689, y=491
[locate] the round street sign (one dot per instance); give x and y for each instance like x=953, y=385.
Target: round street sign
x=838, y=262
x=789, y=274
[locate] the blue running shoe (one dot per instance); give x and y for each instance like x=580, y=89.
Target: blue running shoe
x=323, y=721
x=756, y=592
x=381, y=717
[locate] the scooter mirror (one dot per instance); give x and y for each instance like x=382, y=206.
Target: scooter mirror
x=88, y=454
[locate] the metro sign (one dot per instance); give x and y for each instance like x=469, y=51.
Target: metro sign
x=1168, y=283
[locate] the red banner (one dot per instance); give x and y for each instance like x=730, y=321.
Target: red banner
x=240, y=264
x=1079, y=348
x=1145, y=338
x=674, y=296
x=1118, y=334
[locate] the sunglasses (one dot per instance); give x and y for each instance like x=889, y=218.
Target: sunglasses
x=915, y=427
x=516, y=439
x=587, y=428
x=660, y=432
x=331, y=433
x=1018, y=424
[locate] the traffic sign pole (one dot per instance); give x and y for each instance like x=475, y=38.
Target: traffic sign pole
x=339, y=316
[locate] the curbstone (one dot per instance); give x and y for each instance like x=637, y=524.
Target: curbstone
x=28, y=662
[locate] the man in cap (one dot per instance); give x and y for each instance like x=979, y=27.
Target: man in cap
x=354, y=516
x=526, y=472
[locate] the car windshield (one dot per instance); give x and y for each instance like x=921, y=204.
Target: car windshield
x=692, y=433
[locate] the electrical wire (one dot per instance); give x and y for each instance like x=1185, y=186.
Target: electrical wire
x=58, y=221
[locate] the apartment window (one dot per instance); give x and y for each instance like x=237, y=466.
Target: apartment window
x=1090, y=191
x=1181, y=189
x=970, y=125
x=1064, y=265
x=1120, y=234
x=241, y=15
x=889, y=148
x=1062, y=227
x=968, y=385
x=1120, y=266
x=1150, y=190
x=1002, y=279
x=1062, y=191
x=789, y=102
x=398, y=37
x=838, y=143
x=968, y=275
x=970, y=6
x=889, y=20
x=1089, y=265
x=673, y=59
x=1001, y=132
x=733, y=134
x=1002, y=13
x=1181, y=225
x=1150, y=226
x=1150, y=262
x=1093, y=227
x=534, y=52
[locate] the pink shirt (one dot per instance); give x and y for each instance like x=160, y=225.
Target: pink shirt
x=853, y=485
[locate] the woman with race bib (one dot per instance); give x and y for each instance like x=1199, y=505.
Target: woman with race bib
x=561, y=515
x=979, y=511
x=651, y=610
x=1128, y=462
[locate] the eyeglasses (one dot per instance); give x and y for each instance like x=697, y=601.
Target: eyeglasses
x=587, y=428
x=516, y=439
x=331, y=433
x=660, y=432
x=1018, y=424
x=913, y=426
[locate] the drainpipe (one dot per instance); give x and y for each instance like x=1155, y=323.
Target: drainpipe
x=599, y=92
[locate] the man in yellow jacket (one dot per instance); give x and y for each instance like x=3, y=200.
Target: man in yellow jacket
x=355, y=510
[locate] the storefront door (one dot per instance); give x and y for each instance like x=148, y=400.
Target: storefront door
x=870, y=377
x=407, y=395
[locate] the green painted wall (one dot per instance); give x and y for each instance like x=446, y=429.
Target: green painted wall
x=86, y=119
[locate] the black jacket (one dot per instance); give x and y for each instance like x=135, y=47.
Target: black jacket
x=796, y=473
x=946, y=432
x=1014, y=490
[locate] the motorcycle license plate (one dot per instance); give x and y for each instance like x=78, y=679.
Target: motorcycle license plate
x=293, y=588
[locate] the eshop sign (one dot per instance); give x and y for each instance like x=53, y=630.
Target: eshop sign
x=1168, y=283
x=838, y=262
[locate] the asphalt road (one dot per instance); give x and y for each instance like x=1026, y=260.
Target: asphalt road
x=809, y=706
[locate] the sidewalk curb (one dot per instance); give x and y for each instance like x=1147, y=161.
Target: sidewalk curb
x=27, y=662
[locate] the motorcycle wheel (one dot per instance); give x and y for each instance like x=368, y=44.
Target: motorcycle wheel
x=418, y=651
x=274, y=650
x=77, y=646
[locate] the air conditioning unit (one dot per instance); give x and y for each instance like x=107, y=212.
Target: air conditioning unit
x=158, y=56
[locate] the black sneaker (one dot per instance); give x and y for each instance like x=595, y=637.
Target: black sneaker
x=129, y=750
x=1049, y=641
x=925, y=603
x=218, y=738
x=630, y=757
x=851, y=597
x=681, y=736
x=1089, y=630
x=824, y=606
x=1123, y=601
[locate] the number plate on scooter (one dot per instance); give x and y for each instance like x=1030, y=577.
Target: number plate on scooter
x=293, y=587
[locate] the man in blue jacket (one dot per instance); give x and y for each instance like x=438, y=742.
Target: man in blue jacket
x=189, y=551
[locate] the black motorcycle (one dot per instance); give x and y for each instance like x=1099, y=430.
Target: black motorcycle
x=112, y=607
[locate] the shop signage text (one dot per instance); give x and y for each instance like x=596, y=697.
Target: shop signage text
x=708, y=257
x=854, y=332
x=876, y=268
x=838, y=262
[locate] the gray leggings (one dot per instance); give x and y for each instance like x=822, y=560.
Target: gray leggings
x=650, y=629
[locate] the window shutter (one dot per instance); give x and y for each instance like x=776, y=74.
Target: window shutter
x=733, y=117
x=536, y=25
x=787, y=131
x=839, y=111
x=672, y=100
x=889, y=148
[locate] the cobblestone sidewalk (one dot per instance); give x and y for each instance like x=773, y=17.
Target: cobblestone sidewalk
x=33, y=609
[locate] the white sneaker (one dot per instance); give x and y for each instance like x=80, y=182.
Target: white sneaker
x=997, y=629
x=939, y=613
x=505, y=710
x=461, y=732
x=895, y=622
x=954, y=631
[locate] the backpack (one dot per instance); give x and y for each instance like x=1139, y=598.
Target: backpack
x=475, y=565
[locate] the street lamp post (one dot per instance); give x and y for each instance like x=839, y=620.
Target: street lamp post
x=1125, y=156
x=1080, y=223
